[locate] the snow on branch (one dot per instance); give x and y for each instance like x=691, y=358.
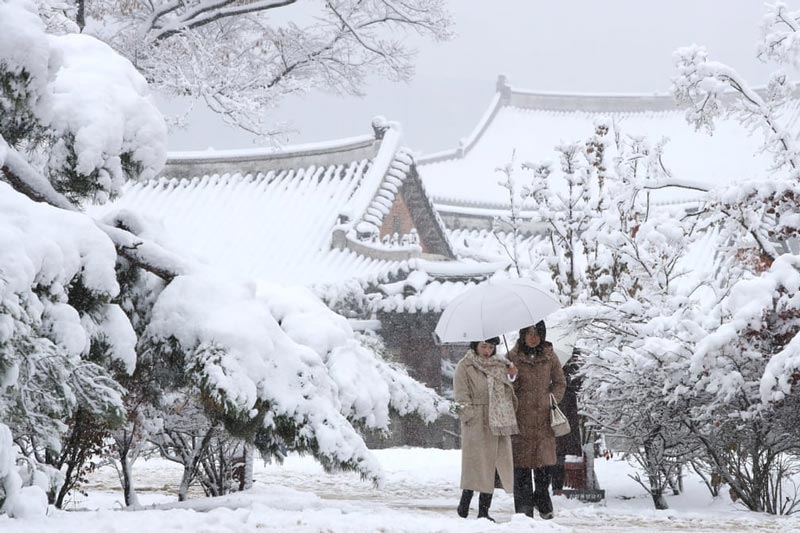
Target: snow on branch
x=27, y=180
x=274, y=369
x=241, y=59
x=77, y=110
x=664, y=182
x=145, y=254
x=780, y=35
x=174, y=17
x=783, y=369
x=759, y=317
x=708, y=90
x=243, y=359
x=368, y=385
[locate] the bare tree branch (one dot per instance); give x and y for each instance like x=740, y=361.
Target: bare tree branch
x=192, y=19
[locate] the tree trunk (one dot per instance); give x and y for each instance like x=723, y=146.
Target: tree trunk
x=657, y=475
x=186, y=480
x=66, y=486
x=249, y=463
x=80, y=17
x=659, y=501
x=673, y=479
x=190, y=467
x=131, y=499
x=123, y=445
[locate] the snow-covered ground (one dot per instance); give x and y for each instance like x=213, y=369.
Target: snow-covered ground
x=420, y=494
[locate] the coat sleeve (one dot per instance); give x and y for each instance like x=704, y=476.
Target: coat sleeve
x=516, y=383
x=462, y=394
x=461, y=391
x=558, y=384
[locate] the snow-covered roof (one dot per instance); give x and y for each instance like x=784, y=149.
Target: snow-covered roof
x=533, y=124
x=491, y=246
x=304, y=215
x=420, y=286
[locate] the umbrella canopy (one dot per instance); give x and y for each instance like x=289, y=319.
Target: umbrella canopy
x=563, y=339
x=493, y=308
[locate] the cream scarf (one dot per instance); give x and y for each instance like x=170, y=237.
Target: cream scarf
x=502, y=400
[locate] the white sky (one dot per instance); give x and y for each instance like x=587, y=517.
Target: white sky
x=600, y=46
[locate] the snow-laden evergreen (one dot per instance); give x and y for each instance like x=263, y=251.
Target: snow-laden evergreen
x=107, y=333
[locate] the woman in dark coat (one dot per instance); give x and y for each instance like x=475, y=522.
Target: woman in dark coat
x=534, y=448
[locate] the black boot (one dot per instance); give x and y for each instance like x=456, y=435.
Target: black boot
x=541, y=495
x=523, y=491
x=463, y=504
x=484, y=502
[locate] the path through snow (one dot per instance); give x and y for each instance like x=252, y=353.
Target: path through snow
x=419, y=495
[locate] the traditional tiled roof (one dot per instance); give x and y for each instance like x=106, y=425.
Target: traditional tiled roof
x=492, y=246
x=420, y=286
x=306, y=215
x=464, y=180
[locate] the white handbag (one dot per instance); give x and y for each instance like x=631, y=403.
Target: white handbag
x=558, y=421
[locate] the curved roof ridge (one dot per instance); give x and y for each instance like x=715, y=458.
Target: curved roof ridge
x=268, y=152
x=466, y=143
x=557, y=101
x=508, y=96
x=592, y=103
x=253, y=160
x=621, y=102
x=374, y=180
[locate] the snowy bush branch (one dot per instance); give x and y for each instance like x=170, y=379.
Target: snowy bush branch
x=744, y=361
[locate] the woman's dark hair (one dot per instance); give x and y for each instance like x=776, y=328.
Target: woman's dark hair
x=494, y=340
x=541, y=330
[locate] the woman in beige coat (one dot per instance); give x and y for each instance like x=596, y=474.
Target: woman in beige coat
x=539, y=376
x=484, y=393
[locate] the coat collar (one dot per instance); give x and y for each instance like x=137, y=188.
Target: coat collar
x=520, y=357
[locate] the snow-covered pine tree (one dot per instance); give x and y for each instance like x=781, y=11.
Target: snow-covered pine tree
x=61, y=332
x=272, y=365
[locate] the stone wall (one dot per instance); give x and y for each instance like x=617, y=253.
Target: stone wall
x=409, y=339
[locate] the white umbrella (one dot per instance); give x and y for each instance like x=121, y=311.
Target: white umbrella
x=563, y=339
x=493, y=308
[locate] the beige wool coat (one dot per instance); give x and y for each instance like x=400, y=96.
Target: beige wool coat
x=481, y=451
x=538, y=376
